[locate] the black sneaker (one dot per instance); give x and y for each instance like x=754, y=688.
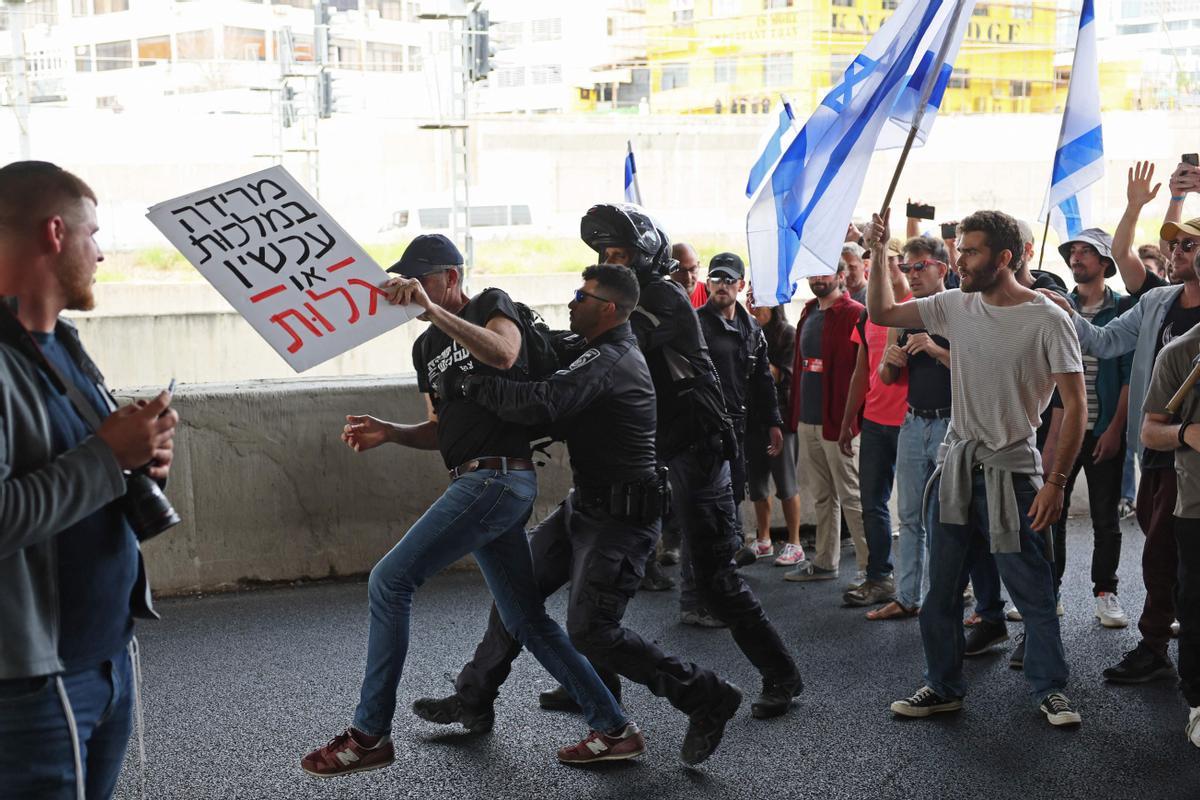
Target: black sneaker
x=707, y=726
x=776, y=697
x=559, y=699
x=1017, y=659
x=1058, y=711
x=448, y=710
x=925, y=702
x=655, y=580
x=1140, y=665
x=745, y=556
x=984, y=637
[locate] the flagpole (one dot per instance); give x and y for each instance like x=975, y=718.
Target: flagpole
x=935, y=71
x=1045, y=233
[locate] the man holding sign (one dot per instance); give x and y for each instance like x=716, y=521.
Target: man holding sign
x=484, y=511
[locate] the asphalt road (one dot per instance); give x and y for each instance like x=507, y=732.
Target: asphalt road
x=238, y=687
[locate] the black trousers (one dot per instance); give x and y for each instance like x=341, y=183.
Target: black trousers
x=1187, y=607
x=604, y=560
x=702, y=497
x=1104, y=493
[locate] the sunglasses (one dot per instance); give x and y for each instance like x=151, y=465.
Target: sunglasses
x=918, y=266
x=723, y=281
x=1187, y=245
x=581, y=295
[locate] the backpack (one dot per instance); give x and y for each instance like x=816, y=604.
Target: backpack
x=543, y=360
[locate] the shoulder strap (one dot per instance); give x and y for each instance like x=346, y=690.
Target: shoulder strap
x=12, y=331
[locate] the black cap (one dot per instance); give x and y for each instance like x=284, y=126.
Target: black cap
x=429, y=252
x=726, y=265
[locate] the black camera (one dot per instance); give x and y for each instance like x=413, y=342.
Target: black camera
x=146, y=507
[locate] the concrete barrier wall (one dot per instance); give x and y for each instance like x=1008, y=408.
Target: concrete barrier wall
x=268, y=492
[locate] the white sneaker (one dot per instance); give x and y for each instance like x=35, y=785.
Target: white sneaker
x=1109, y=611
x=1193, y=727
x=1012, y=615
x=790, y=556
x=1058, y=710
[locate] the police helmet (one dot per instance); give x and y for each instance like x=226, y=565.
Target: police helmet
x=627, y=225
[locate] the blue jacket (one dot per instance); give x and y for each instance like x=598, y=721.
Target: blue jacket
x=1135, y=331
x=1113, y=372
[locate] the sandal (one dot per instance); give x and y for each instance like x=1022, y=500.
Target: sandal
x=893, y=610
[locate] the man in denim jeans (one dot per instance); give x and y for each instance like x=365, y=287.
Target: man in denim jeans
x=1010, y=348
x=483, y=512
x=924, y=361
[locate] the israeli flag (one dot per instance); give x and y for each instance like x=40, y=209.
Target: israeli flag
x=1079, y=160
x=797, y=221
x=633, y=194
x=774, y=142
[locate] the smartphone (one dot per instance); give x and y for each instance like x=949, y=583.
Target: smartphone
x=918, y=211
x=171, y=386
x=949, y=230
x=1191, y=158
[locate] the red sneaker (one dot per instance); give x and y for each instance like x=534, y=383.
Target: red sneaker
x=344, y=755
x=629, y=743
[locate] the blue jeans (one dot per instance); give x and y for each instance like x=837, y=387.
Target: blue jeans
x=916, y=458
x=1027, y=574
x=37, y=755
x=483, y=513
x=876, y=471
x=1128, y=481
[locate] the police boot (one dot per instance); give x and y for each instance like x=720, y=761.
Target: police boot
x=559, y=699
x=655, y=580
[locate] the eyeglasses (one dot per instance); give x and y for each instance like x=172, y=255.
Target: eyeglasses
x=918, y=266
x=1187, y=245
x=723, y=281
x=581, y=295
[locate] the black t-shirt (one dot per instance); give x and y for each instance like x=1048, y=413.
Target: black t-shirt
x=1179, y=320
x=466, y=430
x=811, y=389
x=928, y=378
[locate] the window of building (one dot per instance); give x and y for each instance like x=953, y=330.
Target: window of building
x=83, y=58
x=1131, y=8
x=194, y=45
x=959, y=79
x=777, y=69
x=842, y=3
x=1148, y=27
x=384, y=57
x=1022, y=10
x=510, y=77
x=769, y=4
x=726, y=8
x=1020, y=88
x=81, y=8
x=245, y=44
x=345, y=53
x=113, y=55
x=414, y=59
x=388, y=9
x=110, y=6
x=1177, y=24
x=725, y=70
x=154, y=50
x=547, y=30
x=545, y=74
x=980, y=11
x=674, y=76
x=682, y=11
x=302, y=47
x=890, y=5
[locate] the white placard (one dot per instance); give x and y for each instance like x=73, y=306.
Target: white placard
x=288, y=268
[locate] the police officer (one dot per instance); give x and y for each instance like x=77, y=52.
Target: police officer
x=601, y=536
x=694, y=440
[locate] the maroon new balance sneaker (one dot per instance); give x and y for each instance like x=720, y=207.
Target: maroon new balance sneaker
x=629, y=743
x=344, y=755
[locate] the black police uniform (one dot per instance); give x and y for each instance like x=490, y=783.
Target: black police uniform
x=694, y=438
x=738, y=350
x=601, y=536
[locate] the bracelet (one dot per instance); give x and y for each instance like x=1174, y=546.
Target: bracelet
x=1064, y=477
x=1062, y=485
x=1182, y=428
x=1178, y=198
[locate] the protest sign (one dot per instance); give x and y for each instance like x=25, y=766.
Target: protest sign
x=288, y=268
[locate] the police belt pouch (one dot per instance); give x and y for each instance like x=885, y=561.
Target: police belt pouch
x=644, y=501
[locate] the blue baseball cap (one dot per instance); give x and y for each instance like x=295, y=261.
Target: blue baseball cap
x=428, y=253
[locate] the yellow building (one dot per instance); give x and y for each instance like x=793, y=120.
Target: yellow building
x=737, y=56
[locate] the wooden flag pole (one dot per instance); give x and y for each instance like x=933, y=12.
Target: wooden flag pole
x=926, y=93
x=1045, y=233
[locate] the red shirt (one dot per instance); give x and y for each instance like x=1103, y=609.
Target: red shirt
x=699, y=295
x=885, y=405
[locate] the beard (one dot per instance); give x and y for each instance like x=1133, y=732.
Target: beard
x=822, y=290
x=76, y=283
x=980, y=281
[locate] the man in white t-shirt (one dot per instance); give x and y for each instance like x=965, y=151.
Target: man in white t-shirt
x=1009, y=348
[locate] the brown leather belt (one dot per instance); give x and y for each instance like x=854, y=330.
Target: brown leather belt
x=491, y=462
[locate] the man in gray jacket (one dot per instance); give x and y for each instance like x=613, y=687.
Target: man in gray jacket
x=71, y=574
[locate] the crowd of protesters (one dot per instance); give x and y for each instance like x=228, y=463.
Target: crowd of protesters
x=948, y=371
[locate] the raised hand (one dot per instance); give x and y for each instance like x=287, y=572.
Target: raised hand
x=878, y=229
x=364, y=433
x=1137, y=190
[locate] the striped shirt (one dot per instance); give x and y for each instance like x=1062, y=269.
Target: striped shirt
x=1002, y=363
x=1091, y=369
